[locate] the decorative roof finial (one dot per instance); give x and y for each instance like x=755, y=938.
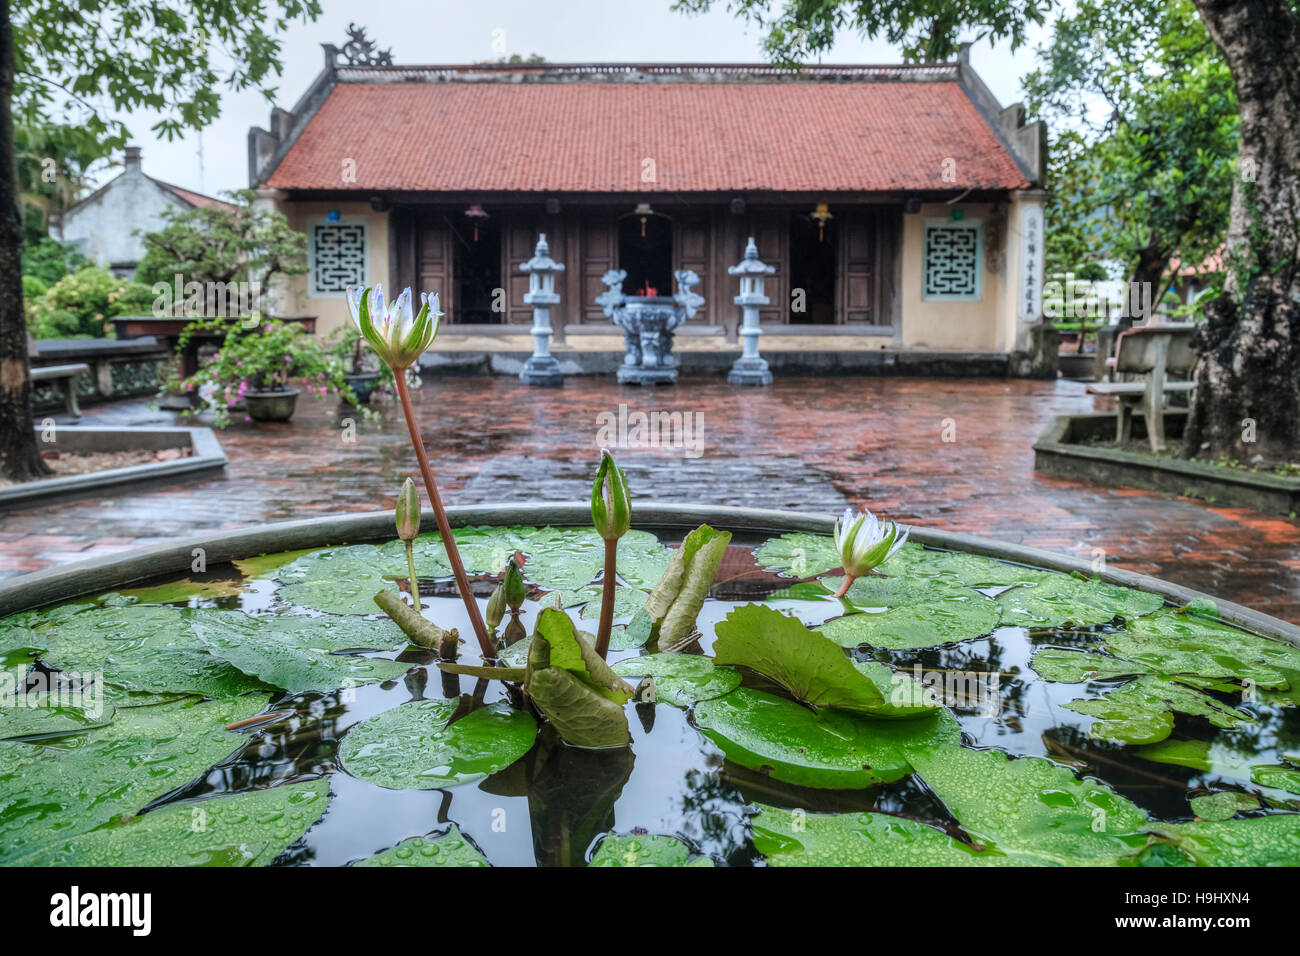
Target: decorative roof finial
x=360, y=51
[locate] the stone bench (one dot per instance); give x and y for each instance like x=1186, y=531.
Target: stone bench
x=66, y=376
x=1155, y=352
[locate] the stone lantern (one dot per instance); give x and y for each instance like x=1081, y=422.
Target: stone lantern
x=541, y=368
x=750, y=369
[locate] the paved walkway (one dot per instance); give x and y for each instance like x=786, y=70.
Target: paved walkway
x=947, y=453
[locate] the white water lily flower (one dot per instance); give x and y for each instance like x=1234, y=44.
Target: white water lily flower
x=397, y=336
x=864, y=543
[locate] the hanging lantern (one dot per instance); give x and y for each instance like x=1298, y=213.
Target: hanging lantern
x=644, y=211
x=822, y=215
x=475, y=215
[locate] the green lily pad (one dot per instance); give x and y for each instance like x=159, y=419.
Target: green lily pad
x=1057, y=600
x=411, y=747
x=1223, y=805
x=1031, y=807
x=483, y=550
x=340, y=580
x=1259, y=841
x=266, y=565
x=627, y=601
x=878, y=591
x=138, y=647
x=516, y=655
x=295, y=652
x=54, y=790
x=681, y=679
x=61, y=711
x=831, y=749
x=445, y=849
x=644, y=850
x=1276, y=775
x=1142, y=711
x=176, y=592
x=805, y=663
x=956, y=568
x=1070, y=666
x=798, y=554
x=788, y=838
x=642, y=559
x=250, y=828
x=953, y=618
x=1172, y=643
x=561, y=559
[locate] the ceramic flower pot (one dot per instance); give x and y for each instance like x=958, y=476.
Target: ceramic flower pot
x=271, y=406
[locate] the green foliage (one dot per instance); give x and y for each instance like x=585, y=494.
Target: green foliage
x=238, y=242
x=49, y=260
x=677, y=598
x=1149, y=176
x=101, y=57
x=797, y=31
x=79, y=304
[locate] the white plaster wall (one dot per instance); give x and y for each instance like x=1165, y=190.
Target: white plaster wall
x=102, y=227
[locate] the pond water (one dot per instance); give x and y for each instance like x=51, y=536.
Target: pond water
x=1160, y=750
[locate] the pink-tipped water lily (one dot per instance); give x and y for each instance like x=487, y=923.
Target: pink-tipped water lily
x=397, y=336
x=864, y=543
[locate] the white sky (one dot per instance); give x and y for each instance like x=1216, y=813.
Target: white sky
x=458, y=31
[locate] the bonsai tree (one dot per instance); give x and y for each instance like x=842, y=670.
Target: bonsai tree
x=220, y=246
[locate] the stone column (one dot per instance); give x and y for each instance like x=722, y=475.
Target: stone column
x=541, y=368
x=750, y=369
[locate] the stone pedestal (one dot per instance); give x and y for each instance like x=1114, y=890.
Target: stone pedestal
x=750, y=368
x=541, y=367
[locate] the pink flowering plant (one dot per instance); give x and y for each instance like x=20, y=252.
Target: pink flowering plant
x=272, y=357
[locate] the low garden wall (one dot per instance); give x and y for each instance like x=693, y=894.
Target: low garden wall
x=1069, y=448
x=119, y=368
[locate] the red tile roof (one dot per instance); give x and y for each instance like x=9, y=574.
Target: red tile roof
x=596, y=137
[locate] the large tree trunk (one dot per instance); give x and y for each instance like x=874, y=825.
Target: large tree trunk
x=20, y=458
x=1247, y=399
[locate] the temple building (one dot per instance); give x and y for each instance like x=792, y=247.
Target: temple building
x=900, y=206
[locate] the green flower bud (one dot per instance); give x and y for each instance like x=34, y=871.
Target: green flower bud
x=611, y=508
x=496, y=609
x=513, y=585
x=408, y=511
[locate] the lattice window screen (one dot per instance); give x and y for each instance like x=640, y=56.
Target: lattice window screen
x=953, y=261
x=338, y=256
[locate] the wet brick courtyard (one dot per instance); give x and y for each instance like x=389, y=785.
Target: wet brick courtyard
x=944, y=453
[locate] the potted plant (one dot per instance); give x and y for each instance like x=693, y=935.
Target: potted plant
x=364, y=373
x=264, y=369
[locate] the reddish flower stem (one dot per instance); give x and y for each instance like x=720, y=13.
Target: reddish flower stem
x=844, y=588
x=607, y=597
x=440, y=515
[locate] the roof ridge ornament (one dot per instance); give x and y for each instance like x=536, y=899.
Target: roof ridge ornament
x=360, y=51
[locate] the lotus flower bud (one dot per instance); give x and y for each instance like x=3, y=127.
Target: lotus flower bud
x=513, y=585
x=865, y=542
x=496, y=609
x=611, y=508
x=408, y=511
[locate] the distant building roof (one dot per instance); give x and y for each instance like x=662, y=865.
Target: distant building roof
x=592, y=128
